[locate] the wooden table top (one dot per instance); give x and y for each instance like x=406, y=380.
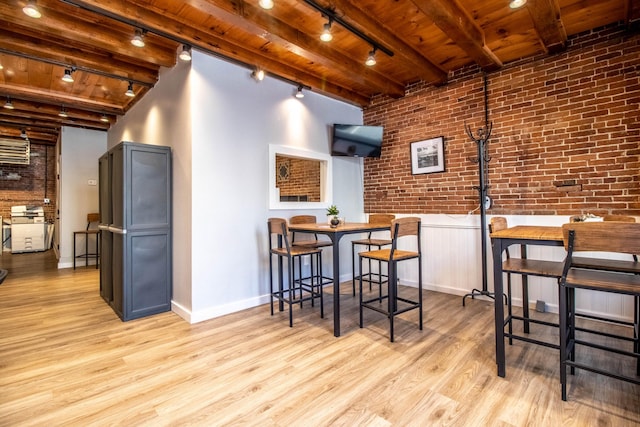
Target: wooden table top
x=530, y=232
x=346, y=227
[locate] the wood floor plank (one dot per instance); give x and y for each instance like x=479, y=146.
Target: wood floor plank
x=67, y=359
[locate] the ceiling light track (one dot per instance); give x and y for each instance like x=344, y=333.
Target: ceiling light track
x=75, y=67
x=353, y=30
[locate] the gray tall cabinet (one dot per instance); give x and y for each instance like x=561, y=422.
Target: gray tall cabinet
x=135, y=224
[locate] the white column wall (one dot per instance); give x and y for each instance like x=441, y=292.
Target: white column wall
x=234, y=119
x=162, y=117
x=81, y=149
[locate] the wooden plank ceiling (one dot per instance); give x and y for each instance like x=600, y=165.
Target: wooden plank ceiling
x=414, y=40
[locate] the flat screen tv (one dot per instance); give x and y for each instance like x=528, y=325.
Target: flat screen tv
x=356, y=140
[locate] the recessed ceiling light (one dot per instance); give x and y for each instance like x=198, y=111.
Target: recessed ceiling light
x=515, y=4
x=266, y=4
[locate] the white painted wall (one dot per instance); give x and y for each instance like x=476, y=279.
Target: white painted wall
x=163, y=117
x=80, y=151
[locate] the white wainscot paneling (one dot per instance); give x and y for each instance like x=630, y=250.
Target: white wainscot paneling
x=452, y=263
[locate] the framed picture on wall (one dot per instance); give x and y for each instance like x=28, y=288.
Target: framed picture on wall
x=427, y=156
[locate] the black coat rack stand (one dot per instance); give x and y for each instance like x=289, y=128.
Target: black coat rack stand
x=481, y=139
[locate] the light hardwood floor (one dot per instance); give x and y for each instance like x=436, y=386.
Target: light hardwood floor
x=67, y=360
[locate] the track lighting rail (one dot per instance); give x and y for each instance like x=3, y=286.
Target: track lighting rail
x=353, y=30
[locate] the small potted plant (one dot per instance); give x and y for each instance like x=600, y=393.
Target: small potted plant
x=332, y=211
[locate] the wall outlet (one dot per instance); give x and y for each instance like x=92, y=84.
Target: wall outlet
x=46, y=201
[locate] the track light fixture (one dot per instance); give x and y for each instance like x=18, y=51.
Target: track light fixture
x=31, y=9
x=299, y=94
x=266, y=4
x=63, y=112
x=104, y=118
x=23, y=134
x=516, y=4
x=185, y=55
x=326, y=35
x=334, y=17
x=67, y=75
x=257, y=74
x=137, y=40
x=371, y=59
x=9, y=105
x=130, y=91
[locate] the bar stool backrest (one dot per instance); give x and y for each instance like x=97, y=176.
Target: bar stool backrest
x=382, y=219
x=621, y=237
x=279, y=227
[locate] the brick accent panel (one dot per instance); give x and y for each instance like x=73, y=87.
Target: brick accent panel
x=565, y=140
x=302, y=177
x=29, y=189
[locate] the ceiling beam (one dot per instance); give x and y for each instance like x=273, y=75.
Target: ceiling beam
x=33, y=135
x=546, y=20
x=453, y=20
x=83, y=59
x=56, y=98
x=429, y=72
x=43, y=115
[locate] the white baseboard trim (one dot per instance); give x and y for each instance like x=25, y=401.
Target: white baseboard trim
x=213, y=312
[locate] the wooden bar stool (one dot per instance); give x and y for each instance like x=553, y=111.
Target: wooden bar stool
x=395, y=303
x=607, y=237
x=371, y=276
x=299, y=288
x=92, y=221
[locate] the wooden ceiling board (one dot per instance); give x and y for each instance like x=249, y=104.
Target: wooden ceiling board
x=582, y=15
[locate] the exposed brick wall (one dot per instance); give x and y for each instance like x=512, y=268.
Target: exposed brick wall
x=30, y=188
x=303, y=178
x=565, y=140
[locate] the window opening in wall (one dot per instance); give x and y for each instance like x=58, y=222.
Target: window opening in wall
x=298, y=178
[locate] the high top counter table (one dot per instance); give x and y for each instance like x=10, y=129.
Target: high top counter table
x=500, y=240
x=335, y=234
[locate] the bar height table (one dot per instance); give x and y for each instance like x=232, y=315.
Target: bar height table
x=500, y=240
x=335, y=234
